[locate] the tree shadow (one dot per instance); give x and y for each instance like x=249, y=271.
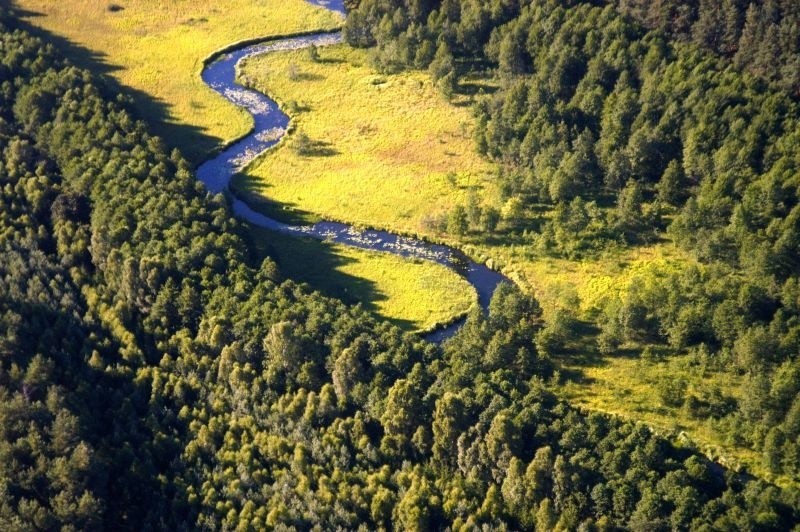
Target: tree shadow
x=306, y=76
x=308, y=147
x=296, y=74
x=294, y=107
x=468, y=92
x=471, y=88
x=254, y=192
x=318, y=264
x=462, y=102
x=580, y=353
x=330, y=60
x=195, y=143
x=576, y=375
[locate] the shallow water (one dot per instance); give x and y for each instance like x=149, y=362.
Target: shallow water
x=270, y=126
x=333, y=5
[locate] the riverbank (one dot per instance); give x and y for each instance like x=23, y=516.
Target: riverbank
x=416, y=295
x=270, y=126
x=153, y=55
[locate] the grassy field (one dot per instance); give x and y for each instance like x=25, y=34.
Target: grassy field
x=387, y=145
x=415, y=295
x=588, y=280
x=387, y=151
x=155, y=50
x=626, y=386
x=624, y=383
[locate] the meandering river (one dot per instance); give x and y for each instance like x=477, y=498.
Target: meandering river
x=270, y=125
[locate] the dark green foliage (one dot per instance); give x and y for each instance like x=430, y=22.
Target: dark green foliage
x=604, y=130
x=153, y=376
x=760, y=36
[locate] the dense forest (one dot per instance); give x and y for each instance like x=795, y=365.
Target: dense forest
x=762, y=37
x=154, y=375
x=607, y=134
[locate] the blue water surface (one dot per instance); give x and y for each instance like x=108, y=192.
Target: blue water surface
x=270, y=125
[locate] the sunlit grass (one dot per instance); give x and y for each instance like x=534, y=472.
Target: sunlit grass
x=370, y=174
x=395, y=155
x=156, y=48
x=414, y=294
x=627, y=387
x=394, y=152
x=622, y=383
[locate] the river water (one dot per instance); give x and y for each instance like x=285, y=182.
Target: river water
x=270, y=126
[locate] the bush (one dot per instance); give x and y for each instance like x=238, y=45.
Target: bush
x=672, y=391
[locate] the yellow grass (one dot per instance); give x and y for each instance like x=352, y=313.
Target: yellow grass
x=414, y=294
x=395, y=154
x=593, y=279
x=155, y=51
x=388, y=142
x=156, y=48
x=626, y=387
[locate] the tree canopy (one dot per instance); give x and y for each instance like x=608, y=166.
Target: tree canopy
x=154, y=375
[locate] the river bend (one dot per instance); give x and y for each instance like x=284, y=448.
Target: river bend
x=270, y=124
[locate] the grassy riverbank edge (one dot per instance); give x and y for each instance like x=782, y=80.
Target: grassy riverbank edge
x=261, y=204
x=518, y=270
x=213, y=56
x=419, y=296
x=266, y=206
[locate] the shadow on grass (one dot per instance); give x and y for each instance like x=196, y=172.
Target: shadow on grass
x=193, y=141
x=580, y=353
x=472, y=88
x=294, y=108
x=464, y=102
x=306, y=76
x=318, y=264
x=575, y=375
x=254, y=192
x=331, y=60
x=307, y=147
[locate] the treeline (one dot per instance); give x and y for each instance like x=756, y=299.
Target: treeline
x=762, y=37
x=759, y=36
x=613, y=126
x=120, y=297
x=154, y=376
x=604, y=131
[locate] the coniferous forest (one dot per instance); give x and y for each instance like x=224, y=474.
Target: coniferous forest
x=607, y=132
x=156, y=373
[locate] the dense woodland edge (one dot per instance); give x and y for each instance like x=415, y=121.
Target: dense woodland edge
x=155, y=375
x=612, y=135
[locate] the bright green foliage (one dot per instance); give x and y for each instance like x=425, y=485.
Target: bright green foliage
x=604, y=130
x=157, y=379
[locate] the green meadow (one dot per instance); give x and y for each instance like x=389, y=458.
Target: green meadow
x=384, y=151
x=416, y=295
x=155, y=50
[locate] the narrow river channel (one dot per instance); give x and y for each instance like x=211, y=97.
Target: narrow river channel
x=270, y=125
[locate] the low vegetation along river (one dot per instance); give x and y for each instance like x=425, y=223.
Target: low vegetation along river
x=270, y=125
